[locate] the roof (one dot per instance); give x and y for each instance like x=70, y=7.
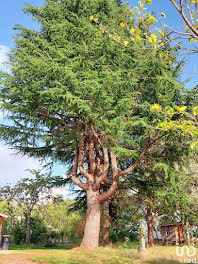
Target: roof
x=3, y=215
x=176, y=223
x=167, y=224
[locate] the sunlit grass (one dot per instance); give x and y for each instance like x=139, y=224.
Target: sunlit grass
x=108, y=255
x=155, y=255
x=87, y=256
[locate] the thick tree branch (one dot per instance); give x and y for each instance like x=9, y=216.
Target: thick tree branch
x=92, y=159
x=84, y=173
x=135, y=164
x=105, y=168
x=75, y=179
x=106, y=195
x=98, y=156
x=114, y=164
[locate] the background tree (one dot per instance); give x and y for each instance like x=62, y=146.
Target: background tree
x=52, y=212
x=180, y=205
x=46, y=227
x=28, y=193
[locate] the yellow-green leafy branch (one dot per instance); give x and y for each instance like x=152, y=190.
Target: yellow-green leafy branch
x=178, y=118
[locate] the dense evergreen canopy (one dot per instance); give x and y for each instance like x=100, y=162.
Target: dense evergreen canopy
x=69, y=70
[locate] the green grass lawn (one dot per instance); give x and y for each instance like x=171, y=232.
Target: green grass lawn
x=155, y=255
x=68, y=245
x=24, y=247
x=86, y=256
x=108, y=255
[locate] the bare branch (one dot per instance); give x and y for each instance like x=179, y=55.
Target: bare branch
x=135, y=164
x=181, y=11
x=189, y=11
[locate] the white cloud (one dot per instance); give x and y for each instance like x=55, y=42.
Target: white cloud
x=13, y=167
x=4, y=50
x=61, y=191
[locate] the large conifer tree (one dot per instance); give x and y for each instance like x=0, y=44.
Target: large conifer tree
x=76, y=95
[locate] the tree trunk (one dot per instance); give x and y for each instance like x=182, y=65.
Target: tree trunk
x=92, y=225
x=106, y=224
x=28, y=234
x=150, y=225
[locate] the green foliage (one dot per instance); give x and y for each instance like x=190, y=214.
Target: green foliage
x=179, y=199
x=127, y=244
x=119, y=2
x=39, y=232
x=14, y=213
x=180, y=119
x=54, y=211
x=28, y=193
x=16, y=224
x=18, y=233
x=125, y=216
x=45, y=222
x=70, y=69
x=32, y=190
x=154, y=34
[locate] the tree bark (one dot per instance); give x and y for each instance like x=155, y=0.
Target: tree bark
x=106, y=224
x=92, y=225
x=28, y=234
x=150, y=225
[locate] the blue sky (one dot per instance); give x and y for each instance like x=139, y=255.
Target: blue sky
x=13, y=167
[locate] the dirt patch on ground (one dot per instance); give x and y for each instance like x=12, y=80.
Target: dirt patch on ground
x=20, y=256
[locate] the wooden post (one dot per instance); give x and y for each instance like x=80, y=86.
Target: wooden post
x=142, y=242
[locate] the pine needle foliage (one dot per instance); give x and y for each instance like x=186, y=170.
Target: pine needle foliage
x=69, y=70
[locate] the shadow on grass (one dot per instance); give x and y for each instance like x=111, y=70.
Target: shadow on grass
x=163, y=261
x=66, y=246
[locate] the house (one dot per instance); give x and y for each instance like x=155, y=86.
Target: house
x=1, y=221
x=172, y=233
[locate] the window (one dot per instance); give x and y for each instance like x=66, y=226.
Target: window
x=168, y=230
